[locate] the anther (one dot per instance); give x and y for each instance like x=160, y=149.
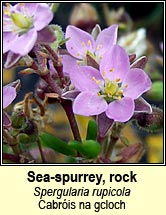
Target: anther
x=117, y=80
x=126, y=85
x=103, y=73
x=7, y=4
x=111, y=70
x=89, y=42
x=83, y=44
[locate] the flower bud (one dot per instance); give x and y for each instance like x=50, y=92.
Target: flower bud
x=23, y=138
x=18, y=120
x=150, y=122
x=84, y=16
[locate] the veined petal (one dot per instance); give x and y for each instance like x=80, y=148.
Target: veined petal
x=106, y=39
x=121, y=110
x=8, y=40
x=9, y=94
x=30, y=8
x=79, y=42
x=41, y=21
x=69, y=63
x=137, y=82
x=142, y=106
x=89, y=104
x=86, y=78
x=24, y=43
x=115, y=63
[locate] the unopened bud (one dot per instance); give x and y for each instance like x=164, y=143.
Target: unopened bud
x=150, y=122
x=84, y=16
x=18, y=120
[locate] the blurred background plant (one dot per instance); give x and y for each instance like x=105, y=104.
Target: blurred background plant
x=141, y=30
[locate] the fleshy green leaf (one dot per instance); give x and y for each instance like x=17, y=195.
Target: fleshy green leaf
x=57, y=144
x=92, y=130
x=90, y=149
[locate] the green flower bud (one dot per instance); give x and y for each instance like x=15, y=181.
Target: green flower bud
x=18, y=120
x=23, y=138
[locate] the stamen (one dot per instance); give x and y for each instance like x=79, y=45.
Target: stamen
x=103, y=73
x=97, y=81
x=21, y=4
x=89, y=42
x=117, y=80
x=126, y=85
x=112, y=70
x=99, y=46
x=78, y=54
x=120, y=92
x=7, y=11
x=83, y=44
x=99, y=94
x=7, y=4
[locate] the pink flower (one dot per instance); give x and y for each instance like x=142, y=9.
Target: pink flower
x=81, y=43
x=112, y=90
x=24, y=24
x=9, y=94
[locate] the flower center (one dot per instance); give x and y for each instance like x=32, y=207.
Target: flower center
x=17, y=21
x=110, y=88
x=22, y=21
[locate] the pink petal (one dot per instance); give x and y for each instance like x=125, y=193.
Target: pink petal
x=138, y=82
x=8, y=40
x=115, y=63
x=9, y=94
x=84, y=78
x=69, y=63
x=89, y=104
x=42, y=16
x=78, y=45
x=121, y=110
x=24, y=44
x=30, y=7
x=107, y=38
